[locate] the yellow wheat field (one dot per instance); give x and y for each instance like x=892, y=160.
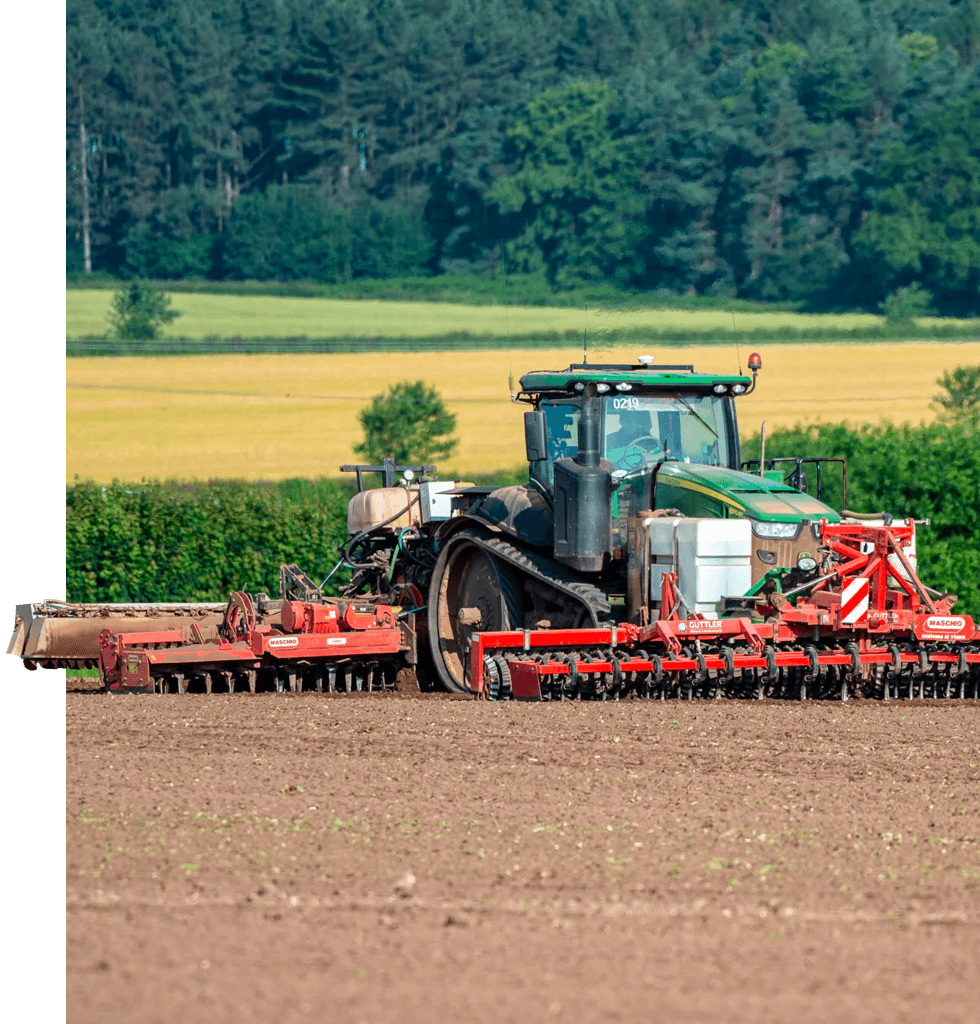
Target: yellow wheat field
x=252, y=316
x=276, y=416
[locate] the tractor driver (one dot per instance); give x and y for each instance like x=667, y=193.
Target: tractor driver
x=634, y=443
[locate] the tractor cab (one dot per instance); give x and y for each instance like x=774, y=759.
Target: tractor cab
x=646, y=415
x=641, y=430
x=618, y=439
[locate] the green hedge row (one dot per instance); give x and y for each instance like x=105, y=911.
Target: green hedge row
x=177, y=541
x=198, y=542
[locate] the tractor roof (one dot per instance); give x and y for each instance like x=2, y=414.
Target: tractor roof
x=641, y=376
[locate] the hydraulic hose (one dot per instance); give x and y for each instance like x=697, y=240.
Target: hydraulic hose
x=367, y=533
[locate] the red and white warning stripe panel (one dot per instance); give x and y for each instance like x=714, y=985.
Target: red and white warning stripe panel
x=854, y=601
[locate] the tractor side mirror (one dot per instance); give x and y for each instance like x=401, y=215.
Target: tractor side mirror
x=535, y=436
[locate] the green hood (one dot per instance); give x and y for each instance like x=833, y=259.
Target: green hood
x=745, y=493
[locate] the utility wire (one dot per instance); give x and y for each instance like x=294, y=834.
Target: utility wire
x=204, y=392
x=302, y=396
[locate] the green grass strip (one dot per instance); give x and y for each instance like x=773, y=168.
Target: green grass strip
x=464, y=341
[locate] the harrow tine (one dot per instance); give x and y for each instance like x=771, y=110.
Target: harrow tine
x=655, y=678
x=812, y=673
x=617, y=675
x=701, y=672
x=923, y=669
x=728, y=657
x=685, y=678
x=852, y=672
x=894, y=668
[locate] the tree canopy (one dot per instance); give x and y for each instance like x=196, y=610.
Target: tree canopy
x=959, y=399
x=139, y=311
x=820, y=152
x=410, y=423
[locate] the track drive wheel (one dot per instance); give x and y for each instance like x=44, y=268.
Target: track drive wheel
x=471, y=592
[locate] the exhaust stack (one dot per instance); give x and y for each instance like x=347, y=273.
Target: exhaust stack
x=583, y=489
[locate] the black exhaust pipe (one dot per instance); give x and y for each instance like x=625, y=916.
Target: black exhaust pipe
x=583, y=492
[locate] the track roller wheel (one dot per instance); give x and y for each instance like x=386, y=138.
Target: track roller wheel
x=470, y=592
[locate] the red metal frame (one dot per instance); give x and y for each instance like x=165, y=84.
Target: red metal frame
x=126, y=658
x=905, y=611
x=618, y=638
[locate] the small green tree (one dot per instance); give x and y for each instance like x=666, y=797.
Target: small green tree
x=410, y=423
x=139, y=311
x=905, y=304
x=959, y=401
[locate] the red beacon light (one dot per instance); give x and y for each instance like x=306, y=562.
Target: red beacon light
x=755, y=365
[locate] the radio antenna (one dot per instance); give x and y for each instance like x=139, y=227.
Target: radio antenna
x=738, y=353
x=585, y=338
x=510, y=351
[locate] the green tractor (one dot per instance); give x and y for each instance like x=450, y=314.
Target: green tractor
x=611, y=450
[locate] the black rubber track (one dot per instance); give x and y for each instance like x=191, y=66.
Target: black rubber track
x=513, y=563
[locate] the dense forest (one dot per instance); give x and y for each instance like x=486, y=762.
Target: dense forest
x=822, y=152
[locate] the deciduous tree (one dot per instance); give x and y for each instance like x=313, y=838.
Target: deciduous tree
x=410, y=423
x=139, y=311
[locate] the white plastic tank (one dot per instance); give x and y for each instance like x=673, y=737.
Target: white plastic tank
x=712, y=559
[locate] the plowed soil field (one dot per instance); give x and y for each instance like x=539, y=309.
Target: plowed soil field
x=279, y=858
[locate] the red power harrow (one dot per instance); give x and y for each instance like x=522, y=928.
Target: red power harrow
x=866, y=626
x=332, y=646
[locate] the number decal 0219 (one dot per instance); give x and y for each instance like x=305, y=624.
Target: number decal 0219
x=628, y=402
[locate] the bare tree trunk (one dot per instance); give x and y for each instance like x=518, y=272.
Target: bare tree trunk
x=83, y=181
x=219, y=182
x=231, y=178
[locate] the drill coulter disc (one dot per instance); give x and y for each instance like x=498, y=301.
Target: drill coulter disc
x=726, y=676
x=503, y=669
x=491, y=678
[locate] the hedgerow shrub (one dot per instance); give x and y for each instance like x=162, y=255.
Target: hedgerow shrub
x=198, y=542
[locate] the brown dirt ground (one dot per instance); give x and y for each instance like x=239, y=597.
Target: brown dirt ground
x=382, y=858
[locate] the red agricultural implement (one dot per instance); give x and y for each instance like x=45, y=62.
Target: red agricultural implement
x=848, y=632
x=326, y=645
